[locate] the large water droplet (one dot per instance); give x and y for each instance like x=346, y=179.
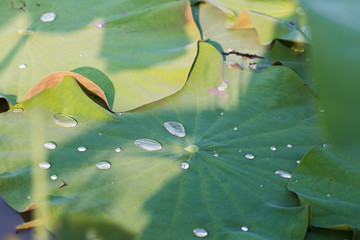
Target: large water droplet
x=283, y=173
x=118, y=149
x=44, y=165
x=63, y=120
x=48, y=17
x=175, y=128
x=50, y=145
x=184, y=165
x=53, y=177
x=192, y=148
x=249, y=156
x=22, y=66
x=103, y=165
x=273, y=148
x=223, y=86
x=81, y=149
x=200, y=232
x=148, y=144
x=244, y=228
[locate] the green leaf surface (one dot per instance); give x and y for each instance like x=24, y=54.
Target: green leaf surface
x=330, y=185
x=145, y=49
x=147, y=194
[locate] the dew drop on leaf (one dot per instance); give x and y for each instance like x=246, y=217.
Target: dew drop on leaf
x=184, y=165
x=273, y=148
x=283, y=173
x=298, y=161
x=63, y=120
x=249, y=156
x=175, y=128
x=289, y=145
x=103, y=165
x=53, y=177
x=235, y=128
x=48, y=17
x=216, y=154
x=200, y=232
x=44, y=165
x=326, y=145
x=148, y=144
x=18, y=110
x=118, y=149
x=81, y=149
x=22, y=66
x=50, y=145
x=244, y=228
x=328, y=195
x=222, y=87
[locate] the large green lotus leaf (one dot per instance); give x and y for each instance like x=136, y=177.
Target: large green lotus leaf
x=230, y=187
x=330, y=185
x=211, y=22
x=145, y=49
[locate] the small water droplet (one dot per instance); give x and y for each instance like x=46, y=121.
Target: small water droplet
x=273, y=148
x=222, y=114
x=100, y=133
x=249, y=156
x=289, y=145
x=22, y=66
x=103, y=165
x=240, y=150
x=53, y=177
x=261, y=185
x=235, y=128
x=118, y=149
x=283, y=173
x=216, y=154
x=18, y=110
x=44, y=165
x=192, y=148
x=184, y=165
x=175, y=128
x=326, y=145
x=48, y=17
x=244, y=228
x=28, y=197
x=328, y=195
x=81, y=149
x=63, y=120
x=223, y=86
x=50, y=145
x=298, y=161
x=321, y=109
x=99, y=24
x=200, y=232
x=148, y=144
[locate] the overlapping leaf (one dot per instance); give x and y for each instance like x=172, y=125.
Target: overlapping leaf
x=144, y=50
x=230, y=188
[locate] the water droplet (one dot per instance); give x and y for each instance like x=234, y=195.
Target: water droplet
x=44, y=165
x=261, y=185
x=53, y=177
x=235, y=128
x=100, y=133
x=184, y=165
x=283, y=174
x=216, y=154
x=48, y=17
x=273, y=148
x=18, y=110
x=118, y=149
x=175, y=128
x=103, y=165
x=223, y=86
x=191, y=148
x=326, y=145
x=50, y=145
x=298, y=161
x=328, y=195
x=222, y=114
x=148, y=144
x=244, y=228
x=81, y=149
x=289, y=145
x=28, y=197
x=99, y=24
x=200, y=232
x=249, y=156
x=321, y=109
x=63, y=120
x=240, y=150
x=22, y=66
